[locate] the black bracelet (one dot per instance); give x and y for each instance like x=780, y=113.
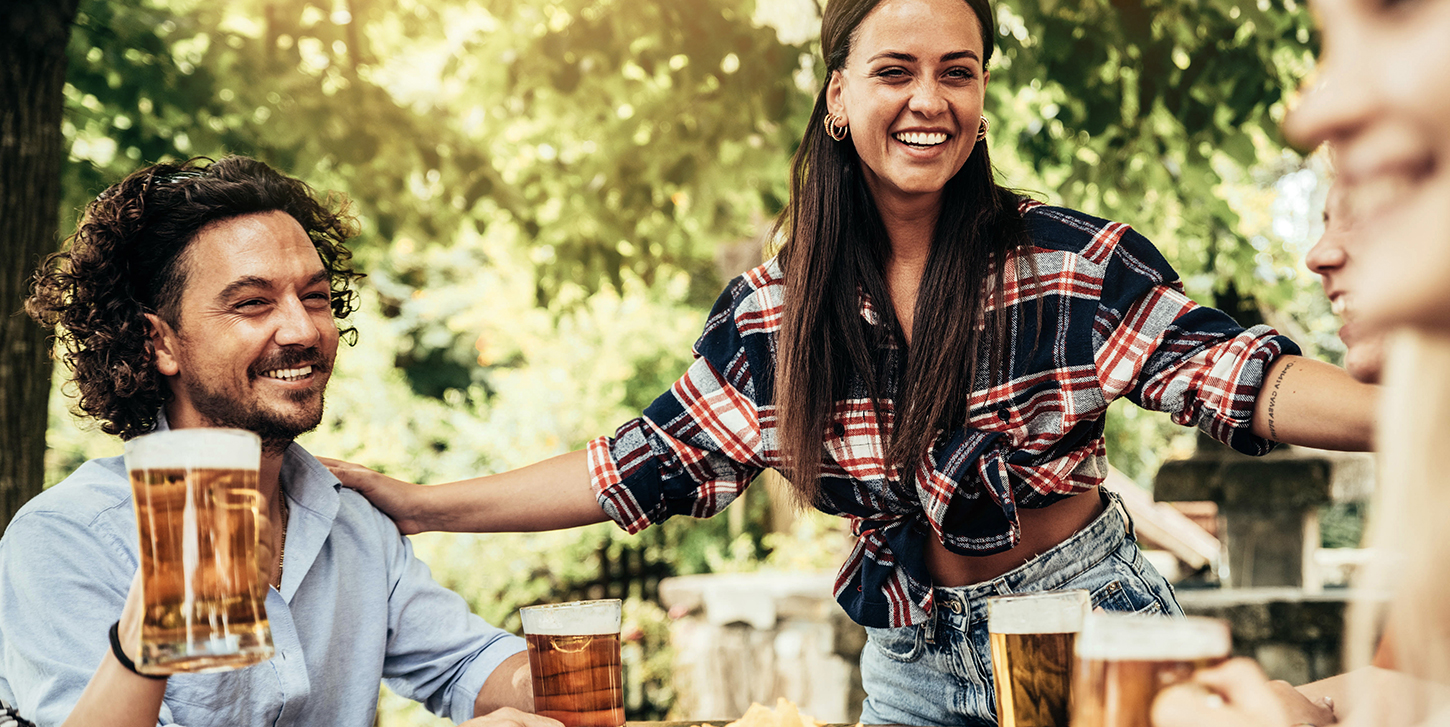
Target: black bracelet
x=120, y=654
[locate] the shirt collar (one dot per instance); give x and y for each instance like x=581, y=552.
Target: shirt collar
x=314, y=494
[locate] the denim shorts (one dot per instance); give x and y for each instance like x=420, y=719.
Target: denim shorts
x=940, y=672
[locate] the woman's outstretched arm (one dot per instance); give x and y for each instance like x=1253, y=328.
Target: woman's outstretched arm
x=1315, y=404
x=550, y=495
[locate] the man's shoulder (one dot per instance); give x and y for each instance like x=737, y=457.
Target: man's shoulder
x=97, y=488
x=93, y=503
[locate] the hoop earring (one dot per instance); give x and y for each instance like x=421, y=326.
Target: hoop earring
x=836, y=130
x=982, y=132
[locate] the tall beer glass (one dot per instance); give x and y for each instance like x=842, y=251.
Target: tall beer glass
x=574, y=657
x=197, y=508
x=1123, y=661
x=1032, y=641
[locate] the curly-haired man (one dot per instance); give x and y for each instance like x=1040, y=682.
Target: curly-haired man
x=197, y=295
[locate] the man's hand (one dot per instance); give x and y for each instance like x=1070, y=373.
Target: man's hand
x=510, y=717
x=402, y=501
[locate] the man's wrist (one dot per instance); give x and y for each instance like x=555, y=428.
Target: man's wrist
x=120, y=654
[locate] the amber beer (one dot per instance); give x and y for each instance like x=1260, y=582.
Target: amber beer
x=574, y=658
x=1124, y=661
x=1032, y=637
x=197, y=507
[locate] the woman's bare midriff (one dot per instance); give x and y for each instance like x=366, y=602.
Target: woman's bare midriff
x=1042, y=529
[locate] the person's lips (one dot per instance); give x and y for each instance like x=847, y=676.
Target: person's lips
x=291, y=366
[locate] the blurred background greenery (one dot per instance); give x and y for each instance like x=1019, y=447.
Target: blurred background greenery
x=552, y=193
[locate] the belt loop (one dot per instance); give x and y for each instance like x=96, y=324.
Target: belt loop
x=1127, y=517
x=931, y=621
x=999, y=585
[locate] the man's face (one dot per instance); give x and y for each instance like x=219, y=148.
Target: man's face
x=1383, y=100
x=256, y=340
x=1333, y=258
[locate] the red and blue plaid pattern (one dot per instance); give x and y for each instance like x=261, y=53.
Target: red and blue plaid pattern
x=1114, y=322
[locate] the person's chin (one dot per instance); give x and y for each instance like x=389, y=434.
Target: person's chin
x=1364, y=352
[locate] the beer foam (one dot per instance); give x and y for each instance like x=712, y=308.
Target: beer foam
x=193, y=448
x=1128, y=637
x=1058, y=612
x=574, y=618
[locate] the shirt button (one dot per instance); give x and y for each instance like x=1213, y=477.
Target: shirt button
x=1004, y=415
x=839, y=429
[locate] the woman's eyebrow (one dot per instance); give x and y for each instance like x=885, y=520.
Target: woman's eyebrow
x=909, y=58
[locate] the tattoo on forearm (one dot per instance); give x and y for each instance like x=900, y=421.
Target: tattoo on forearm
x=1274, y=399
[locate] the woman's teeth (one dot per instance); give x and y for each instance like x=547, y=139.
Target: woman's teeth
x=288, y=374
x=920, y=138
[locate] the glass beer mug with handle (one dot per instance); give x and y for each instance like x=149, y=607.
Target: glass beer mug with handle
x=574, y=659
x=197, y=513
x=1032, y=636
x=1124, y=660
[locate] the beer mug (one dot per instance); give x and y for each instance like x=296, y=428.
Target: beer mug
x=574, y=658
x=1124, y=660
x=197, y=511
x=1032, y=637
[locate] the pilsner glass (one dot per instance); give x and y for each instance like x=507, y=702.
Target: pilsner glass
x=1123, y=661
x=574, y=658
x=197, y=508
x=1032, y=638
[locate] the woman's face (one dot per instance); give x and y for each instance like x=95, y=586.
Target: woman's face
x=912, y=92
x=1383, y=99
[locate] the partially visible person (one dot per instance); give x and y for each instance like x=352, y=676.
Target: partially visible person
x=1333, y=259
x=210, y=295
x=1383, y=100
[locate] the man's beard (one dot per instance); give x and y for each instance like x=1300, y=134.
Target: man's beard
x=277, y=429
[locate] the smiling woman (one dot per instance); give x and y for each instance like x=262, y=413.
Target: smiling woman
x=931, y=356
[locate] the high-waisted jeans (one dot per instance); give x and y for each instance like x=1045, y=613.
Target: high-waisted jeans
x=940, y=672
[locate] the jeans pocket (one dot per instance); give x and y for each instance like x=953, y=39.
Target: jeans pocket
x=904, y=644
x=1114, y=596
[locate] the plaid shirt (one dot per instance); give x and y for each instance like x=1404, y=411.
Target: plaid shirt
x=1115, y=322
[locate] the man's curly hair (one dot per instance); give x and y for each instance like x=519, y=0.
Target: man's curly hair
x=127, y=258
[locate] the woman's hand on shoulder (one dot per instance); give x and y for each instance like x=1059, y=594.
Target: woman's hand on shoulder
x=1236, y=694
x=402, y=501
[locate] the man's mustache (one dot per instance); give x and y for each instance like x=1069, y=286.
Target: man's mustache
x=292, y=358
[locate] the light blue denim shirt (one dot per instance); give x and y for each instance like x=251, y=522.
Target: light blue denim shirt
x=356, y=607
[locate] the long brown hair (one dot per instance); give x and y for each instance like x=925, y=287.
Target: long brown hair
x=836, y=248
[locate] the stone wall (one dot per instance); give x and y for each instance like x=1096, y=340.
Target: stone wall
x=1295, y=636
x=754, y=637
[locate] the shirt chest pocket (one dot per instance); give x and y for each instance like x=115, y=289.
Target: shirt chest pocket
x=235, y=697
x=853, y=441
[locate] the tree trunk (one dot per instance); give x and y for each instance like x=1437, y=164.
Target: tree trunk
x=33, y=39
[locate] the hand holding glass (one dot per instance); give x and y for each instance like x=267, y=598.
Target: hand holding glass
x=197, y=511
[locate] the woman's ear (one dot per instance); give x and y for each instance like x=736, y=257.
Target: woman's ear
x=165, y=345
x=835, y=90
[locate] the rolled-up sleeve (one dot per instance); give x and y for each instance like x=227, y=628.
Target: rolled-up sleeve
x=1164, y=352
x=438, y=652
x=699, y=444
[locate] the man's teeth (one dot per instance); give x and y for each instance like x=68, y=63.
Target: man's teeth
x=288, y=374
x=921, y=138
